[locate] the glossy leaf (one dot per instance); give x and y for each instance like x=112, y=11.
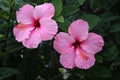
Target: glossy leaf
x=99, y=58
x=110, y=52
x=81, y=2
x=1, y=36
x=70, y=10
x=60, y=19
x=7, y=72
x=115, y=27
x=92, y=20
x=99, y=71
x=58, y=7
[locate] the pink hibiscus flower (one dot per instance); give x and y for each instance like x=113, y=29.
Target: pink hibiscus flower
x=78, y=47
x=35, y=24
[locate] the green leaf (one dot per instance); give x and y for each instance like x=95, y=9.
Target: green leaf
x=60, y=19
x=81, y=2
x=4, y=5
x=91, y=19
x=115, y=27
x=64, y=26
x=110, y=52
x=18, y=4
x=99, y=58
x=58, y=7
x=111, y=18
x=7, y=72
x=2, y=36
x=12, y=45
x=70, y=10
x=46, y=0
x=117, y=36
x=106, y=4
x=99, y=71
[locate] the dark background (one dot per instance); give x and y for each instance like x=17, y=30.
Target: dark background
x=20, y=63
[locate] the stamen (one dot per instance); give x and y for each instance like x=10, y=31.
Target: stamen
x=76, y=44
x=36, y=23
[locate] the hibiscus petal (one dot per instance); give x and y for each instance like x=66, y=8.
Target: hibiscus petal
x=84, y=60
x=33, y=40
x=48, y=29
x=79, y=30
x=63, y=42
x=93, y=43
x=21, y=31
x=68, y=59
x=45, y=10
x=25, y=14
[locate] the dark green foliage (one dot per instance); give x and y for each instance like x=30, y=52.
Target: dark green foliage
x=20, y=63
x=7, y=72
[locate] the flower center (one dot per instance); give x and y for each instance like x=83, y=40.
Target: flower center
x=76, y=44
x=36, y=23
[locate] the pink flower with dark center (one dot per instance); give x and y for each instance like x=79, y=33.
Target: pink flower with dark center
x=78, y=47
x=35, y=24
